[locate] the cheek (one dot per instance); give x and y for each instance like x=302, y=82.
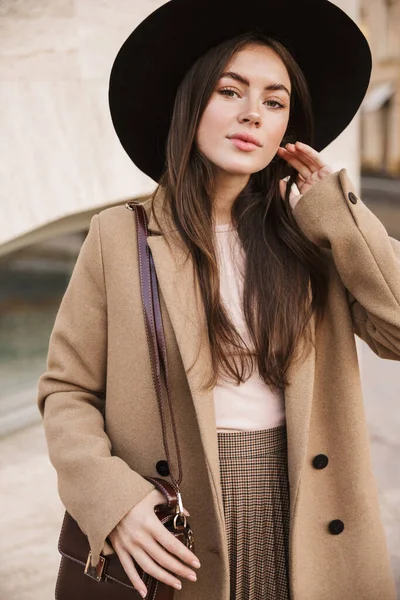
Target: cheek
x=282, y=128
x=273, y=137
x=212, y=122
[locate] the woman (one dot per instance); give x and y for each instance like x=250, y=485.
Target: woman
x=263, y=285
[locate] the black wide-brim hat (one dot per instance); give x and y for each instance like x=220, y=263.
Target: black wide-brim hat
x=325, y=42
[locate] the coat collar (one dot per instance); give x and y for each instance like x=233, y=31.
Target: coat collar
x=156, y=204
x=181, y=293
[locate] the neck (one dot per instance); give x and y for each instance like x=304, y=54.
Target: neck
x=227, y=188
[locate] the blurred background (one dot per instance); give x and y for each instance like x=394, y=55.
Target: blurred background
x=61, y=162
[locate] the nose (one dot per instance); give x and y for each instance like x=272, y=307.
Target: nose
x=251, y=115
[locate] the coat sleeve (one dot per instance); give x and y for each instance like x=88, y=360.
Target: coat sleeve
x=96, y=488
x=367, y=259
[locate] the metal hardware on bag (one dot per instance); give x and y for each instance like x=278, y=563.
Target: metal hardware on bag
x=95, y=572
x=179, y=506
x=182, y=526
x=179, y=512
x=131, y=203
x=190, y=539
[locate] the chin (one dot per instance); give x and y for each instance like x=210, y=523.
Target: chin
x=235, y=169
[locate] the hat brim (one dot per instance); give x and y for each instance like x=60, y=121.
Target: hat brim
x=327, y=44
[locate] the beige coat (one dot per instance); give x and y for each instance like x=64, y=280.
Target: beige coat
x=99, y=365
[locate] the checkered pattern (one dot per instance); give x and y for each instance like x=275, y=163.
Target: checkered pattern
x=255, y=492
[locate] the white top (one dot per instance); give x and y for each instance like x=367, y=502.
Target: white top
x=251, y=405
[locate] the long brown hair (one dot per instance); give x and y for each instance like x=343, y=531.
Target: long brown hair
x=281, y=264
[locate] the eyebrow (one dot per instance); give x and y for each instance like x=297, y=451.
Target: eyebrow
x=242, y=79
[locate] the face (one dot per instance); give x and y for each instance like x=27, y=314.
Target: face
x=248, y=107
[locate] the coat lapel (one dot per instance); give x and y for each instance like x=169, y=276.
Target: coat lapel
x=181, y=293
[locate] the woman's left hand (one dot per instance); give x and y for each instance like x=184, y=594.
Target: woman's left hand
x=308, y=163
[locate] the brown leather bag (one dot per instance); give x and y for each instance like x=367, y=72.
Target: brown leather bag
x=107, y=580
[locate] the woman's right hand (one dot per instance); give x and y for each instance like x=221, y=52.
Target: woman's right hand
x=141, y=535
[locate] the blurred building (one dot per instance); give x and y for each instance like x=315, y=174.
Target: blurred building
x=380, y=114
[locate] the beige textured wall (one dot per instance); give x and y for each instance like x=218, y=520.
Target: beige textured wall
x=345, y=150
x=381, y=22
x=59, y=152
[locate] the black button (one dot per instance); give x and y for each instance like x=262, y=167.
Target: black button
x=336, y=526
x=320, y=461
x=162, y=468
x=352, y=198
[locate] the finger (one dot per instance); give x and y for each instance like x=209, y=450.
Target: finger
x=153, y=569
x=310, y=155
x=173, y=545
x=306, y=158
x=130, y=570
x=296, y=162
x=300, y=178
x=166, y=560
x=311, y=162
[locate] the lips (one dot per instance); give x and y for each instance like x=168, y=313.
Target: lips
x=241, y=142
x=245, y=137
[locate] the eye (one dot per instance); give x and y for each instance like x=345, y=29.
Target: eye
x=228, y=92
x=279, y=104
x=224, y=90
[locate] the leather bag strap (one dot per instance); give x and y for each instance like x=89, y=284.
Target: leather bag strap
x=155, y=336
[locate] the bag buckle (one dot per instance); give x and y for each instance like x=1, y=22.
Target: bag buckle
x=131, y=204
x=95, y=572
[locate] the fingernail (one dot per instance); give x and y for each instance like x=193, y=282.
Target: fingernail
x=178, y=586
x=192, y=576
x=143, y=594
x=196, y=564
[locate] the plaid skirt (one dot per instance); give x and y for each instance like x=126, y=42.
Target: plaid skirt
x=255, y=489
